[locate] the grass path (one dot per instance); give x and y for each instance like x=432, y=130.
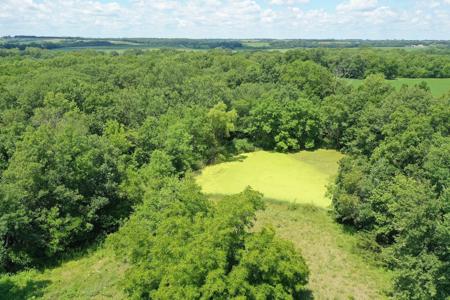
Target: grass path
x=338, y=270
x=299, y=177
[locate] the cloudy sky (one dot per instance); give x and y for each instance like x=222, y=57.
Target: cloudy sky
x=371, y=19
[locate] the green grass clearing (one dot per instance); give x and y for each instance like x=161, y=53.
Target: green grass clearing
x=438, y=86
x=301, y=177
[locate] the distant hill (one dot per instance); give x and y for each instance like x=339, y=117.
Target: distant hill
x=54, y=42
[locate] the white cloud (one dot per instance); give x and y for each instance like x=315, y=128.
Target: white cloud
x=225, y=18
x=289, y=2
x=268, y=16
x=357, y=5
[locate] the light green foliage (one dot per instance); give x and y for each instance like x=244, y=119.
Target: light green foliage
x=222, y=122
x=117, y=136
x=299, y=177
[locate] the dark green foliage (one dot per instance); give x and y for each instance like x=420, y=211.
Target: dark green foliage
x=60, y=189
x=314, y=80
x=395, y=185
x=285, y=126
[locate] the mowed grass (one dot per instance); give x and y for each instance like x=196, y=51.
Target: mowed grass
x=301, y=177
x=438, y=86
x=95, y=275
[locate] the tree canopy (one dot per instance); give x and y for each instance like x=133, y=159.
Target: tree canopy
x=90, y=141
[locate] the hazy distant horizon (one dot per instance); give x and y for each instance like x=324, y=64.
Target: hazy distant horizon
x=213, y=38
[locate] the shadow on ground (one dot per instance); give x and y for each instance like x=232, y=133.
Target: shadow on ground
x=306, y=295
x=236, y=158
x=29, y=290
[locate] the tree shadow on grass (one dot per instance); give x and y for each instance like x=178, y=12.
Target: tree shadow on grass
x=235, y=158
x=306, y=295
x=31, y=289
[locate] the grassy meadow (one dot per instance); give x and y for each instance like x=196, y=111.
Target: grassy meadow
x=438, y=86
x=301, y=177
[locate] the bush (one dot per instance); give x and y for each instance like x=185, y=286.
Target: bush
x=243, y=146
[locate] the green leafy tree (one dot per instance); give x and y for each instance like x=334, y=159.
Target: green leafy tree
x=235, y=262
x=59, y=190
x=313, y=79
x=222, y=121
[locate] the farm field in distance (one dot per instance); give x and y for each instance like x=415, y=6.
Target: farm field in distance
x=438, y=86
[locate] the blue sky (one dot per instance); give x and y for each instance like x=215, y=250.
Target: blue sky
x=369, y=19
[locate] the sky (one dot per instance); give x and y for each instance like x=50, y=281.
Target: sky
x=366, y=19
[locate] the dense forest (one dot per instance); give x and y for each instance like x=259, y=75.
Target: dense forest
x=344, y=63
x=93, y=142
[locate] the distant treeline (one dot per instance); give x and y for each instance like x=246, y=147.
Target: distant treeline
x=345, y=63
x=54, y=45
x=23, y=42
x=393, y=63
x=52, y=42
